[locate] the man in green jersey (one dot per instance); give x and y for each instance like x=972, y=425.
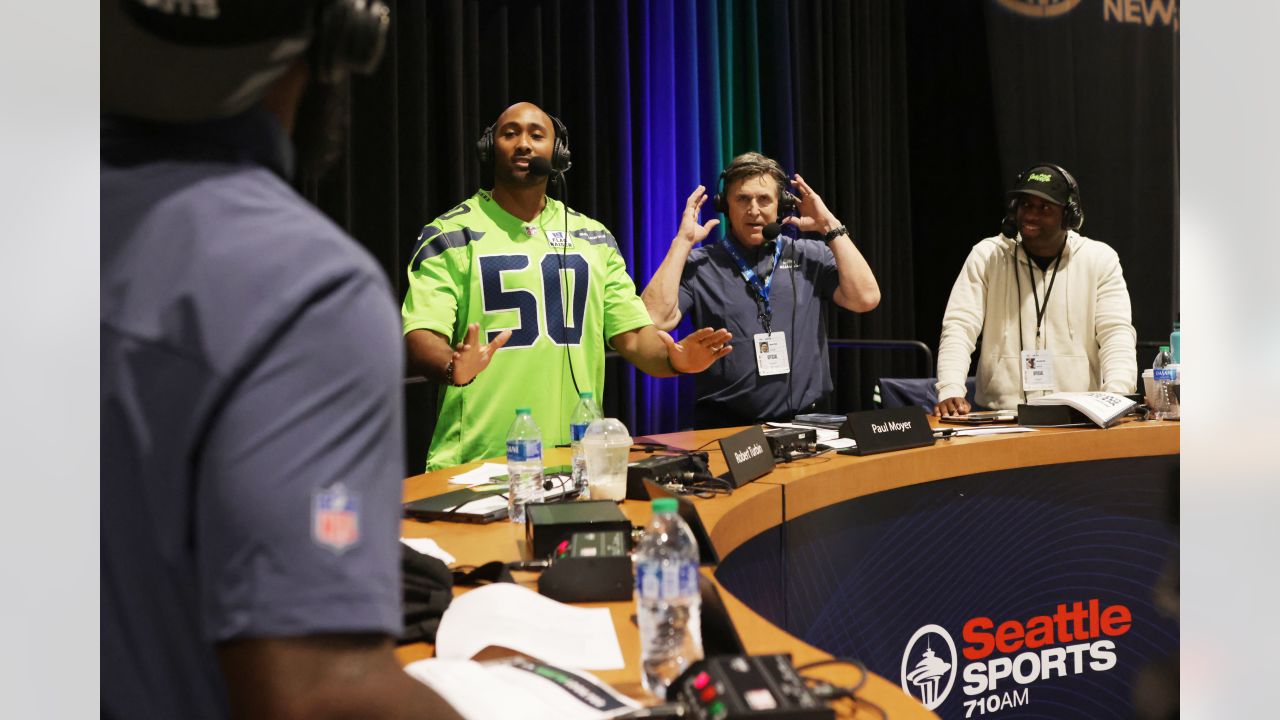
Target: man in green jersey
x=500, y=263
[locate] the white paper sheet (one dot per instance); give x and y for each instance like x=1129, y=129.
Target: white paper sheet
x=994, y=430
x=839, y=443
x=545, y=695
x=518, y=618
x=479, y=475
x=427, y=546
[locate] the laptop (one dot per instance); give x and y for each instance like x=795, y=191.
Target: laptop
x=484, y=503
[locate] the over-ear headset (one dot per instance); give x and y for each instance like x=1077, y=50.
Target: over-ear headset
x=1072, y=212
x=349, y=38
x=786, y=201
x=561, y=160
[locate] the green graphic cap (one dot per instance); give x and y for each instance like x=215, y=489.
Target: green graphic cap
x=1044, y=182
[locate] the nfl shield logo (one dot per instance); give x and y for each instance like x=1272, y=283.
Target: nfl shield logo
x=335, y=518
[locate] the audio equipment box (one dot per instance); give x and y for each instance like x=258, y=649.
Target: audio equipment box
x=589, y=567
x=730, y=687
x=546, y=525
x=785, y=441
x=663, y=469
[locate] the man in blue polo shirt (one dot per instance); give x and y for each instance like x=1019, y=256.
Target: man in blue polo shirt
x=767, y=292
x=250, y=379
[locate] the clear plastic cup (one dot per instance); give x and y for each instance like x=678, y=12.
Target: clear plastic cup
x=607, y=446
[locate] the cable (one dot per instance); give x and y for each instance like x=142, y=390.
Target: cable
x=700, y=485
x=566, y=302
x=479, y=496
x=793, y=456
x=664, y=710
x=706, y=444
x=547, y=481
x=795, y=300
x=830, y=691
x=528, y=565
x=560, y=479
x=862, y=669
x=873, y=706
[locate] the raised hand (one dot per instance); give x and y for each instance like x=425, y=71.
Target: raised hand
x=690, y=231
x=470, y=356
x=813, y=215
x=697, y=350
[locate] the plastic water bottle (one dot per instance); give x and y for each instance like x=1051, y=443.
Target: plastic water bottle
x=583, y=414
x=1175, y=343
x=1165, y=375
x=524, y=464
x=669, y=606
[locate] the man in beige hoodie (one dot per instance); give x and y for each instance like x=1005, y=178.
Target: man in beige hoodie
x=1050, y=304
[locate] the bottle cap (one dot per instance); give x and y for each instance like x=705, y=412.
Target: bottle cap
x=523, y=411
x=1164, y=348
x=585, y=395
x=665, y=505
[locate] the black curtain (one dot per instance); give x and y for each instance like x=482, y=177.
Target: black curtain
x=1095, y=89
x=957, y=191
x=852, y=145
x=997, y=85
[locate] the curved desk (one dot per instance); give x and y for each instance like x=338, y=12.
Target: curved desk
x=730, y=519
x=842, y=555
x=891, y=556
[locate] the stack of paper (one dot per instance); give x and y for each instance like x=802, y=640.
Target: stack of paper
x=1103, y=408
x=515, y=617
x=479, y=475
x=520, y=688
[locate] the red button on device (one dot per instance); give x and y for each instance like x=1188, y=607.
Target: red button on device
x=708, y=694
x=700, y=680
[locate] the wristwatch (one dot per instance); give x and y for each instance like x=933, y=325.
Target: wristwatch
x=837, y=232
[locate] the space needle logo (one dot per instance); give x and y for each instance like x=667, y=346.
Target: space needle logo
x=929, y=665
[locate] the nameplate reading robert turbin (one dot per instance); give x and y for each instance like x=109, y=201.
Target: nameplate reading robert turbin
x=878, y=431
x=747, y=455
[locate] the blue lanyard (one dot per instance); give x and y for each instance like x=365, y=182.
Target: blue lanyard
x=753, y=279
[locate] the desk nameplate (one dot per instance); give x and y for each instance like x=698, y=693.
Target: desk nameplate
x=878, y=431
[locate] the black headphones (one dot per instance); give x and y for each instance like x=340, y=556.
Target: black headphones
x=350, y=37
x=786, y=201
x=1072, y=212
x=560, y=157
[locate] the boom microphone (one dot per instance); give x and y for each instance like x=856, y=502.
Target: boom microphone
x=771, y=231
x=539, y=166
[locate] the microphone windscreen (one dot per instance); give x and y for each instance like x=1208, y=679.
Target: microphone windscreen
x=539, y=166
x=771, y=231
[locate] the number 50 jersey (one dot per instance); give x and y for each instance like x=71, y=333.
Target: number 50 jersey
x=561, y=297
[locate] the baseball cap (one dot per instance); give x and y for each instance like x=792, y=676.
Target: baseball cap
x=195, y=60
x=1043, y=181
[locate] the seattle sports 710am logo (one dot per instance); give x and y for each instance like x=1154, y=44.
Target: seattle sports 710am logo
x=1001, y=659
